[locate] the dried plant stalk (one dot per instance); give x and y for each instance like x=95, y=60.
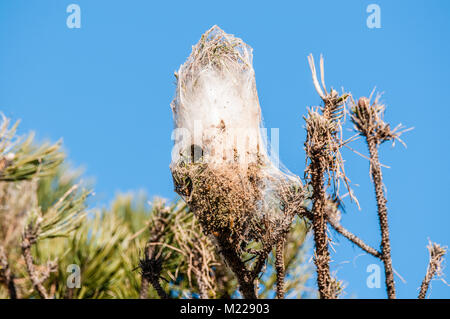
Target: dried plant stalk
x=368, y=121
x=280, y=269
x=325, y=168
x=437, y=253
x=377, y=178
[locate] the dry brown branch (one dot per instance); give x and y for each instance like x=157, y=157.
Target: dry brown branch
x=437, y=253
x=354, y=239
x=333, y=218
x=280, y=269
x=326, y=168
x=368, y=121
x=6, y=275
x=28, y=239
x=382, y=216
x=244, y=276
x=321, y=254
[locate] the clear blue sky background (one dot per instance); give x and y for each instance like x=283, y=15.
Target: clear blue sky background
x=106, y=89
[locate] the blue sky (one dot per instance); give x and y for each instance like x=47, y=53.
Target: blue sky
x=105, y=89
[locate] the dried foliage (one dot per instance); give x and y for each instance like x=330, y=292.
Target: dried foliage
x=325, y=168
x=437, y=253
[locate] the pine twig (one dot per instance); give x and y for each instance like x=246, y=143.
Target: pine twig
x=377, y=178
x=325, y=168
x=29, y=238
x=319, y=225
x=353, y=238
x=368, y=121
x=245, y=277
x=437, y=253
x=6, y=275
x=280, y=268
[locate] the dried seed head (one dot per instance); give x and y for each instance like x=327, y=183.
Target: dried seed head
x=368, y=121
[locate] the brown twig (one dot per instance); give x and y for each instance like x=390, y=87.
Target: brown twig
x=368, y=121
x=6, y=275
x=377, y=178
x=325, y=168
x=319, y=225
x=245, y=277
x=280, y=268
x=29, y=238
x=353, y=238
x=437, y=253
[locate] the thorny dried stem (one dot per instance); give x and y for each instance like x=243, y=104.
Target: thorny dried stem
x=377, y=178
x=437, y=253
x=353, y=238
x=6, y=275
x=325, y=169
x=368, y=121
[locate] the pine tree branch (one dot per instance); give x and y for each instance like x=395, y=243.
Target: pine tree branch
x=377, y=178
x=29, y=238
x=353, y=238
x=280, y=268
x=436, y=257
x=245, y=277
x=6, y=275
x=319, y=225
x=368, y=121
x=151, y=265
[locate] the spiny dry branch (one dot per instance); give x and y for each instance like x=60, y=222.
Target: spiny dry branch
x=325, y=168
x=437, y=253
x=368, y=121
x=333, y=218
